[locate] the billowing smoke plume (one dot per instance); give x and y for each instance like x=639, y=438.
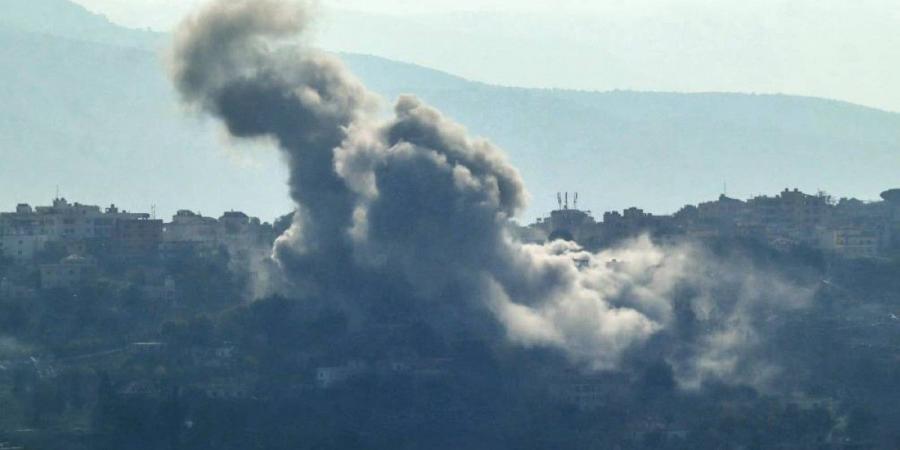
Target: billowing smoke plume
x=411, y=212
x=228, y=62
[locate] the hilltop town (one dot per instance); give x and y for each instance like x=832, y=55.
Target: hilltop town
x=67, y=243
x=848, y=228
x=111, y=321
x=30, y=237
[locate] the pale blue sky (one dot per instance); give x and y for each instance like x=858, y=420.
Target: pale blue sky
x=161, y=14
x=824, y=48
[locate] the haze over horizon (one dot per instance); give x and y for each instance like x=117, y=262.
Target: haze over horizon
x=824, y=49
x=617, y=149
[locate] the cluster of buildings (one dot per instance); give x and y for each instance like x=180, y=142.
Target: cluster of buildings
x=79, y=233
x=64, y=240
x=848, y=227
x=27, y=231
x=192, y=233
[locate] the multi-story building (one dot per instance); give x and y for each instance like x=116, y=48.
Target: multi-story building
x=23, y=233
x=725, y=209
x=849, y=227
x=851, y=242
x=238, y=232
x=136, y=238
x=72, y=272
x=189, y=232
x=790, y=215
x=569, y=224
x=21, y=246
x=26, y=231
x=891, y=237
x=188, y=226
x=892, y=198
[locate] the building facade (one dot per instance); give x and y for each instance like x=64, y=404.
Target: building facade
x=71, y=272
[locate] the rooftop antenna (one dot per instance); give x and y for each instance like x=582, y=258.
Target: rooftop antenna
x=559, y=199
x=576, y=201
x=567, y=201
x=153, y=212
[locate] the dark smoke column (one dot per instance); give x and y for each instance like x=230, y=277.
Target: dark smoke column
x=232, y=60
x=410, y=214
x=412, y=210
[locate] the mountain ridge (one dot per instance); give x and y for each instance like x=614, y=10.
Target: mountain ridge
x=65, y=19
x=108, y=103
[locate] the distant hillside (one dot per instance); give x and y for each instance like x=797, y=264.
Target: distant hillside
x=102, y=123
x=87, y=106
x=63, y=18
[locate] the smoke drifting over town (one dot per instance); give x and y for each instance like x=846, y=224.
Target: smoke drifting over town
x=413, y=212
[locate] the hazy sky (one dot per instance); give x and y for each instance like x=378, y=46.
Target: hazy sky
x=824, y=48
x=162, y=14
